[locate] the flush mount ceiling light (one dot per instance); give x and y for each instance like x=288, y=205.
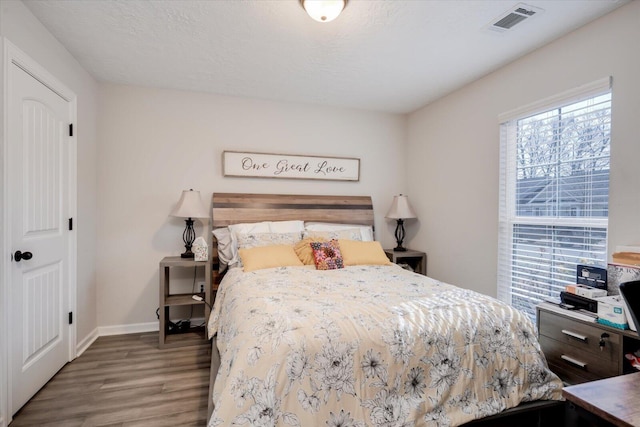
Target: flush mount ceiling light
x=323, y=10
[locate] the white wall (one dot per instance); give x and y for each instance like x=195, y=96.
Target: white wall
x=453, y=146
x=155, y=143
x=21, y=28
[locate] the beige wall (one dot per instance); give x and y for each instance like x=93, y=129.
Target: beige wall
x=453, y=146
x=155, y=143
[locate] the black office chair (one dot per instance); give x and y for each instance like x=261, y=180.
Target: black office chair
x=630, y=291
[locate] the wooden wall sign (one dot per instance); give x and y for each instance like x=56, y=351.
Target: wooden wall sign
x=264, y=165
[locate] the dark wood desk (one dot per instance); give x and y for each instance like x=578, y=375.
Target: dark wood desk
x=610, y=402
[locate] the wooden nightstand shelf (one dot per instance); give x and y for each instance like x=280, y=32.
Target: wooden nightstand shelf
x=580, y=350
x=167, y=300
x=415, y=259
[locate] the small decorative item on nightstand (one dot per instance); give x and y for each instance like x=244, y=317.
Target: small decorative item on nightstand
x=200, y=249
x=400, y=210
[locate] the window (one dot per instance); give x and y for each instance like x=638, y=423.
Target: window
x=554, y=194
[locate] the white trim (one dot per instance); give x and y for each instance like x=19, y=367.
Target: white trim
x=581, y=92
x=561, y=222
x=86, y=342
x=104, y=331
x=134, y=328
x=73, y=234
x=5, y=278
x=12, y=55
x=5, y=403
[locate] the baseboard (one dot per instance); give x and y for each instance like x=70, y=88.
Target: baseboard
x=104, y=331
x=86, y=342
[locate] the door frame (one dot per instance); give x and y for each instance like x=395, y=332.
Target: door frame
x=12, y=55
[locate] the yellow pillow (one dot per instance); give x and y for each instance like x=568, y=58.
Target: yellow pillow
x=268, y=257
x=355, y=252
x=304, y=251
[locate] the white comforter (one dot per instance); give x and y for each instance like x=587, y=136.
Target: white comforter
x=368, y=346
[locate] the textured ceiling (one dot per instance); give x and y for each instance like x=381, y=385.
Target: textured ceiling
x=385, y=55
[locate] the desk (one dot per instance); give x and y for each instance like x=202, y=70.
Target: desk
x=610, y=402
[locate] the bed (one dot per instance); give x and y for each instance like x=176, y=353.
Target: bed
x=364, y=345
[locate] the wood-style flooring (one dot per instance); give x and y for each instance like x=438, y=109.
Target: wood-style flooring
x=125, y=380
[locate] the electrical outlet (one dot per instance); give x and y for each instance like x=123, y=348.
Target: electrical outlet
x=201, y=286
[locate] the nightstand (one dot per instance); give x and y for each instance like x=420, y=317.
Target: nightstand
x=194, y=335
x=580, y=350
x=415, y=259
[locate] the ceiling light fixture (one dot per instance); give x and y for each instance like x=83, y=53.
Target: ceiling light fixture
x=323, y=10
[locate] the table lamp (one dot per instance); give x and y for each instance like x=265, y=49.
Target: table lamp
x=400, y=210
x=189, y=206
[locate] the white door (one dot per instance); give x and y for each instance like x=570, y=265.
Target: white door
x=38, y=130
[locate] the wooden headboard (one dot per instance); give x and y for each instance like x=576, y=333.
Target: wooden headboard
x=234, y=208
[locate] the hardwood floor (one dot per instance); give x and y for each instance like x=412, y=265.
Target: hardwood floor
x=125, y=380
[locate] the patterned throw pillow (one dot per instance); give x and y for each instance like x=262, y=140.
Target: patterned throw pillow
x=327, y=255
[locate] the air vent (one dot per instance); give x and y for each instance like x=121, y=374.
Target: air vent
x=508, y=20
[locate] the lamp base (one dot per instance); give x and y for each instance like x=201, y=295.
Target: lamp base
x=188, y=237
x=399, y=236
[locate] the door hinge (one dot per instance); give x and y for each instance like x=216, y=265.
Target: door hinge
x=70, y=129
x=71, y=317
x=70, y=224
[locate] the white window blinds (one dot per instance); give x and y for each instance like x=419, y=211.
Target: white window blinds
x=554, y=193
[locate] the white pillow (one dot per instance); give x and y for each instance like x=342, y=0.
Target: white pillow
x=246, y=228
x=346, y=234
x=228, y=237
x=249, y=228
x=253, y=240
x=225, y=247
x=366, y=231
x=286, y=226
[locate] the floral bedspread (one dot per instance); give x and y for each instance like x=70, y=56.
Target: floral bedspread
x=368, y=346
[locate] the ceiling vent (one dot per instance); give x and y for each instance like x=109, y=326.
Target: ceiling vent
x=510, y=19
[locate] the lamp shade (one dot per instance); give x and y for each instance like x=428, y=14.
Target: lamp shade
x=323, y=10
x=400, y=208
x=190, y=206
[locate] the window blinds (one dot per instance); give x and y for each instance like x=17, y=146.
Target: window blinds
x=554, y=193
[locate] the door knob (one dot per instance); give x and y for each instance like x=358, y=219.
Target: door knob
x=22, y=255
